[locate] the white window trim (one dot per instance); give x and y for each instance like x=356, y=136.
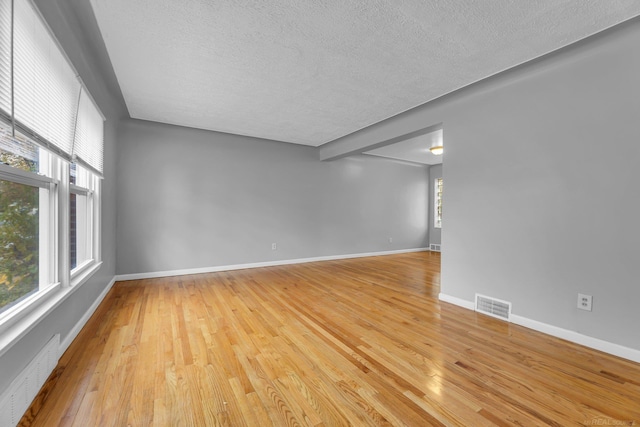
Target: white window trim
x=46, y=282
x=81, y=274
x=81, y=267
x=436, y=224
x=8, y=173
x=19, y=319
x=20, y=310
x=84, y=219
x=75, y=189
x=92, y=227
x=22, y=320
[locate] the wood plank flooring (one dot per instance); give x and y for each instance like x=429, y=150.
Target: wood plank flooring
x=353, y=342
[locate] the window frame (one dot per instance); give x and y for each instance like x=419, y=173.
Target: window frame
x=91, y=220
x=437, y=202
x=47, y=283
x=62, y=281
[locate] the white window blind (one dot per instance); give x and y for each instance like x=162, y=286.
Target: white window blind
x=42, y=90
x=46, y=88
x=5, y=57
x=89, y=136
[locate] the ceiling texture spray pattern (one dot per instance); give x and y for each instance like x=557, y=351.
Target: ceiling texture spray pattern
x=309, y=72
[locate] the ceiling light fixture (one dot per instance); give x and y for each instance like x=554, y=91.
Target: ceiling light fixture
x=437, y=150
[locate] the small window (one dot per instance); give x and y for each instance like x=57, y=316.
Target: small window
x=82, y=217
x=437, y=205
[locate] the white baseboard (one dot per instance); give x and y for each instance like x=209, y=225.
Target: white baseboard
x=469, y=305
x=575, y=337
x=565, y=334
x=64, y=345
x=168, y=273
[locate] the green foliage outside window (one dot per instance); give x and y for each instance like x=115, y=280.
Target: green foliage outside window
x=19, y=222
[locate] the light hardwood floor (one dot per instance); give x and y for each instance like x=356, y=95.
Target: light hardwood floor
x=352, y=342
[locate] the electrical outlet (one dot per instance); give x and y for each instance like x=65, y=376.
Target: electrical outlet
x=584, y=302
x=390, y=239
x=274, y=246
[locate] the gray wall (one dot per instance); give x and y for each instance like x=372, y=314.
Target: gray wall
x=64, y=20
x=435, y=234
x=541, y=198
x=190, y=198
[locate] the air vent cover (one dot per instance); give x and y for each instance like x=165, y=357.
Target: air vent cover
x=493, y=307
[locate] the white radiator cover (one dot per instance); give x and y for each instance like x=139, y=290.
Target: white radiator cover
x=16, y=399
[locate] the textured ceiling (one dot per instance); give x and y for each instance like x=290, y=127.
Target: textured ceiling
x=414, y=149
x=309, y=72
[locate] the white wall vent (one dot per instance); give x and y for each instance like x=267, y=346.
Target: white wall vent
x=493, y=307
x=434, y=247
x=15, y=401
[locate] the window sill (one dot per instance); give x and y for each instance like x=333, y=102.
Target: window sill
x=26, y=316
x=82, y=272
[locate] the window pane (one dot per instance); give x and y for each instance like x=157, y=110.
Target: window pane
x=438, y=204
x=73, y=173
x=73, y=231
x=18, y=152
x=19, y=241
x=79, y=233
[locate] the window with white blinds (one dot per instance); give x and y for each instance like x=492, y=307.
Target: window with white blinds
x=42, y=89
x=50, y=129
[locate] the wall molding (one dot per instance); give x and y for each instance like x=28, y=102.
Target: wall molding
x=565, y=334
x=469, y=305
x=64, y=345
x=578, y=338
x=183, y=272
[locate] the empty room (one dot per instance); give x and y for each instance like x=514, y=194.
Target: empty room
x=314, y=213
